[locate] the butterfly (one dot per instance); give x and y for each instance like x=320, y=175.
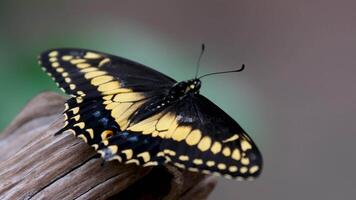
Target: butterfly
x=134, y=114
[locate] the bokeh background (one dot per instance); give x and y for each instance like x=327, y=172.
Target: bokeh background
x=296, y=98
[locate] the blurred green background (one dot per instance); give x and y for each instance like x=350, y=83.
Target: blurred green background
x=30, y=28
x=296, y=97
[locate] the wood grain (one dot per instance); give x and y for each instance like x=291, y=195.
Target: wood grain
x=35, y=164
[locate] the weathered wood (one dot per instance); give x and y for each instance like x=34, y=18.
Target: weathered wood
x=35, y=164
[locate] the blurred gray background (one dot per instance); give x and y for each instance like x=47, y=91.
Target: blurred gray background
x=296, y=98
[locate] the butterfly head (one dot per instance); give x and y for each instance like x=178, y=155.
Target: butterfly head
x=186, y=87
x=193, y=85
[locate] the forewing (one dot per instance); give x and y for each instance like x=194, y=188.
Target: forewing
x=87, y=73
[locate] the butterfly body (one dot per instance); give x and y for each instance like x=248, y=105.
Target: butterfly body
x=134, y=114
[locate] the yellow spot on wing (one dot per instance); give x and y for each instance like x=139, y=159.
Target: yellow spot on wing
x=79, y=100
x=91, y=55
x=183, y=158
x=149, y=128
x=71, y=131
x=111, y=106
x=245, y=161
x=72, y=86
x=128, y=153
x=116, y=157
x=95, y=146
x=143, y=125
x=165, y=121
x=120, y=109
x=80, y=93
x=171, y=129
x=233, y=169
x=106, y=134
x=210, y=163
x=135, y=161
x=75, y=110
x=169, y=152
x=60, y=70
x=101, y=79
x=109, y=86
x=221, y=166
x=53, y=59
x=236, y=155
x=66, y=106
x=226, y=151
x=53, y=53
x=245, y=145
x=230, y=139
x=77, y=61
x=94, y=74
x=194, y=137
x=67, y=80
x=155, y=133
x=181, y=133
x=204, y=143
x=83, y=65
x=216, y=148
x=89, y=69
x=91, y=133
x=55, y=64
x=107, y=102
x=129, y=97
x=67, y=58
x=81, y=125
x=65, y=124
x=109, y=97
x=123, y=119
x=81, y=136
x=179, y=165
x=145, y=156
x=76, y=118
x=198, y=161
x=113, y=149
x=192, y=169
x=105, y=142
x=254, y=169
x=160, y=154
x=106, y=60
x=243, y=170
x=151, y=163
x=117, y=91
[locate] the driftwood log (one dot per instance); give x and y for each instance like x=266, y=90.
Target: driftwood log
x=35, y=164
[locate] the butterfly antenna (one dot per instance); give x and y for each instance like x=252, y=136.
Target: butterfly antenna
x=224, y=72
x=200, y=56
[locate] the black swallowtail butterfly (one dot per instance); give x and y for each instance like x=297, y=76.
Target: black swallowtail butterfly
x=134, y=114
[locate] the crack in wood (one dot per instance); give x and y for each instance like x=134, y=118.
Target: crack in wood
x=61, y=176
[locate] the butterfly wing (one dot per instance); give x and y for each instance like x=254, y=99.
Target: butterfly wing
x=197, y=135
x=106, y=90
x=87, y=73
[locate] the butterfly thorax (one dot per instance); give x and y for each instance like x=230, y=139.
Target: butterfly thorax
x=178, y=91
